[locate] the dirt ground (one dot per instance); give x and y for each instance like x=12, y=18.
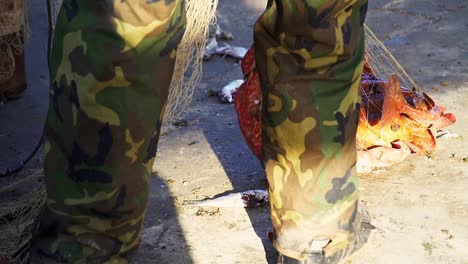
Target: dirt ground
x=420, y=206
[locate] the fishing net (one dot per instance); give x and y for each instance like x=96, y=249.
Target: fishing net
x=12, y=35
x=384, y=64
x=189, y=62
x=21, y=199
x=396, y=117
x=12, y=20
x=10, y=45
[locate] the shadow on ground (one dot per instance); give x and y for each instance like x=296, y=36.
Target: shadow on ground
x=162, y=238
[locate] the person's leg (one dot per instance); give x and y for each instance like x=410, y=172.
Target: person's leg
x=309, y=56
x=111, y=67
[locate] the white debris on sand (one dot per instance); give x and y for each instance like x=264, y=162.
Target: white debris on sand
x=214, y=47
x=225, y=95
x=233, y=51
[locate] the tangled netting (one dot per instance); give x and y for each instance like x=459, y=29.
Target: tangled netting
x=379, y=70
x=12, y=26
x=21, y=199
x=188, y=68
x=396, y=118
x=384, y=64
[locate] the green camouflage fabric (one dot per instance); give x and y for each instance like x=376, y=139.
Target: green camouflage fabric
x=309, y=57
x=111, y=67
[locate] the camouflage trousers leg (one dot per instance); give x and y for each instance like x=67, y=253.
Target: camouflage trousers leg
x=309, y=56
x=111, y=67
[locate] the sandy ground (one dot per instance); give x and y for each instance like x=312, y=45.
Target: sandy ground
x=420, y=207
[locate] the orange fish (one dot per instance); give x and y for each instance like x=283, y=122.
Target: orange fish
x=394, y=121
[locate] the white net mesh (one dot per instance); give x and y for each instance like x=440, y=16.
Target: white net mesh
x=188, y=69
x=384, y=64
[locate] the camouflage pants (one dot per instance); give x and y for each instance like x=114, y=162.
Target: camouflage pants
x=309, y=56
x=111, y=66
